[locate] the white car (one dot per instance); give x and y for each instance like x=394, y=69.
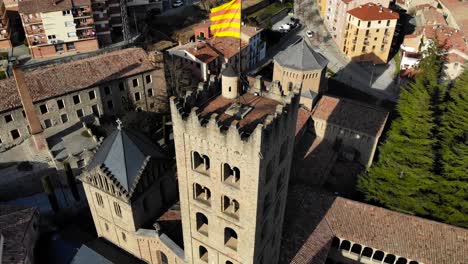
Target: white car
x=310, y=33
x=177, y=3
x=285, y=27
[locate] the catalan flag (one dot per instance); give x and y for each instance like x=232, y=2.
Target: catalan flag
x=226, y=19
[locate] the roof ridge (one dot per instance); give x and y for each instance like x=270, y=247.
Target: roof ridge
x=124, y=157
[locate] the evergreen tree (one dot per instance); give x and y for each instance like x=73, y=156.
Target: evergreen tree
x=403, y=175
x=452, y=188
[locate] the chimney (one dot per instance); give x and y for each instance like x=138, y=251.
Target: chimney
x=29, y=109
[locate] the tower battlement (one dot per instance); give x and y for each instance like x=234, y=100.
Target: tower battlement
x=244, y=118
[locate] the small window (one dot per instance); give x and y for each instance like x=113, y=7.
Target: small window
x=15, y=134
x=23, y=113
x=47, y=123
x=124, y=237
x=58, y=47
x=356, y=249
x=231, y=175
x=164, y=259
x=148, y=79
x=43, y=109
x=66, y=12
x=368, y=24
x=8, y=118
x=139, y=109
x=107, y=90
x=64, y=118
x=150, y=92
x=203, y=254
x=137, y=96
x=230, y=206
x=202, y=193
x=121, y=86
x=202, y=223
x=76, y=99
x=99, y=200
x=110, y=104
x=200, y=163
x=135, y=82
x=367, y=252
x=230, y=238
x=79, y=113
x=95, y=110
x=151, y=105
x=60, y=104
x=117, y=209
x=345, y=245
x=92, y=95
x=388, y=23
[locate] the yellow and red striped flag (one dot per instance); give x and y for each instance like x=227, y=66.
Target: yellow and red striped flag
x=226, y=19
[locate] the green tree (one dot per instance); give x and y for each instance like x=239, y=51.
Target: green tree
x=452, y=188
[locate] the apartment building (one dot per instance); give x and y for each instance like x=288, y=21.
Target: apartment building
x=5, y=29
x=369, y=33
x=107, y=20
x=58, y=27
x=336, y=15
x=106, y=86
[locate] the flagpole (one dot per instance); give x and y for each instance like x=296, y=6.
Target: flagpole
x=240, y=50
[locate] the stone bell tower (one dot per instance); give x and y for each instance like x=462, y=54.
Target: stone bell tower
x=234, y=156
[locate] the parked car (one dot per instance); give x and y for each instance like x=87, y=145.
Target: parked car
x=285, y=28
x=310, y=33
x=177, y=3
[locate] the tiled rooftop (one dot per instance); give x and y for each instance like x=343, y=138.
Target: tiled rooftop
x=200, y=50
x=351, y=114
x=458, y=10
x=38, y=6
x=371, y=11
x=228, y=46
x=315, y=217
x=302, y=117
x=261, y=108
x=59, y=79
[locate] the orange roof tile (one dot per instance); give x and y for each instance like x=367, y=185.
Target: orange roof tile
x=302, y=117
x=203, y=52
x=228, y=46
x=372, y=11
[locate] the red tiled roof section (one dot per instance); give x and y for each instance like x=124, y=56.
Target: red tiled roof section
x=59, y=79
x=372, y=11
x=302, y=117
x=227, y=46
x=404, y=235
x=203, y=52
x=458, y=10
x=262, y=107
x=448, y=37
x=351, y=114
x=38, y=6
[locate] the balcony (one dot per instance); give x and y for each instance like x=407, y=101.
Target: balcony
x=84, y=23
x=36, y=41
x=83, y=12
x=33, y=20
x=36, y=31
x=86, y=33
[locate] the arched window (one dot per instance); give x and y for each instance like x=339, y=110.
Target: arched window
x=401, y=261
x=345, y=245
x=231, y=175
x=202, y=223
x=230, y=206
x=367, y=252
x=378, y=255
x=164, y=259
x=413, y=262
x=200, y=163
x=335, y=242
x=229, y=262
x=201, y=193
x=230, y=238
x=203, y=254
x=356, y=248
x=390, y=258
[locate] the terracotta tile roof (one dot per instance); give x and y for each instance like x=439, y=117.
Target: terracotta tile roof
x=318, y=214
x=37, y=6
x=448, y=37
x=227, y=46
x=431, y=16
x=261, y=108
x=14, y=223
x=351, y=114
x=250, y=31
x=203, y=52
x=458, y=10
x=302, y=117
x=372, y=11
x=59, y=79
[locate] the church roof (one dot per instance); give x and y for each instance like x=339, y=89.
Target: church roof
x=300, y=56
x=124, y=154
